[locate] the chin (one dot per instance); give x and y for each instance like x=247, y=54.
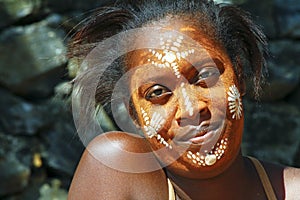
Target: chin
x=191, y=171
x=185, y=167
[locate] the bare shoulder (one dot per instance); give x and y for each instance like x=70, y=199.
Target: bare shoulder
x=292, y=183
x=285, y=180
x=118, y=165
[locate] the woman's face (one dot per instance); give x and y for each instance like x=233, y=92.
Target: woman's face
x=187, y=100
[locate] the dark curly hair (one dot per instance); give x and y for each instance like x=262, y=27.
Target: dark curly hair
x=228, y=25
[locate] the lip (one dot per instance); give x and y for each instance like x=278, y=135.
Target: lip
x=197, y=135
x=201, y=139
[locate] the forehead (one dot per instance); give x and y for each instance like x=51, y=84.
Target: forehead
x=171, y=39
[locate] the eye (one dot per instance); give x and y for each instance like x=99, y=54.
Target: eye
x=207, y=77
x=158, y=94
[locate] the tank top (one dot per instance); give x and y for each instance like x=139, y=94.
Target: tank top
x=269, y=191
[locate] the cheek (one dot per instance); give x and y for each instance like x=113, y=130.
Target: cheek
x=234, y=101
x=154, y=120
x=157, y=117
x=216, y=98
x=154, y=116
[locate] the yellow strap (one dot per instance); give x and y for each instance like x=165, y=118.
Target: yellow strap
x=264, y=179
x=180, y=194
x=171, y=191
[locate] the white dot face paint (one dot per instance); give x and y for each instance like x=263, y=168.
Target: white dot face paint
x=205, y=135
x=161, y=54
x=210, y=158
x=234, y=102
x=170, y=57
x=181, y=97
x=170, y=54
x=187, y=102
x=153, y=125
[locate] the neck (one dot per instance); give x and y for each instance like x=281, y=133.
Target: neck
x=237, y=182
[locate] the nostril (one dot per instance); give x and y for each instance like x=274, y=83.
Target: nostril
x=194, y=120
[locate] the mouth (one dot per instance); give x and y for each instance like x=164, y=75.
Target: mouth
x=202, y=137
x=196, y=135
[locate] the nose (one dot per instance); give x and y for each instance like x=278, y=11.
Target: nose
x=192, y=107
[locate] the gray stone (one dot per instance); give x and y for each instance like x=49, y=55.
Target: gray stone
x=53, y=137
x=19, y=117
x=32, y=58
x=62, y=145
x=297, y=158
x=272, y=131
x=13, y=10
x=63, y=149
x=63, y=89
x=53, y=191
x=19, y=147
x=14, y=176
x=286, y=52
x=284, y=70
x=15, y=162
x=287, y=14
x=263, y=14
x=278, y=18
x=66, y=5
x=294, y=97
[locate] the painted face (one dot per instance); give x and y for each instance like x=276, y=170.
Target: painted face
x=185, y=95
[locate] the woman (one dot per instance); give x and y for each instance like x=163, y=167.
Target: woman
x=180, y=69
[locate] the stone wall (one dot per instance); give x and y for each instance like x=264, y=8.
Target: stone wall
x=272, y=130
x=39, y=148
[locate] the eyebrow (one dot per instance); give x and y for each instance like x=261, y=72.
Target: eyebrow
x=161, y=75
x=215, y=61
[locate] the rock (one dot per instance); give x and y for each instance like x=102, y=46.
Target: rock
x=21, y=148
x=15, y=162
x=286, y=52
x=278, y=18
x=63, y=148
x=50, y=144
x=53, y=191
x=32, y=59
x=14, y=176
x=294, y=98
x=63, y=6
x=272, y=132
x=51, y=120
x=13, y=10
x=19, y=117
x=263, y=14
x=288, y=18
x=73, y=67
x=284, y=70
x=224, y=1
x=297, y=158
x=63, y=89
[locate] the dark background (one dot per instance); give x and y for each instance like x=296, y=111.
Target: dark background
x=39, y=148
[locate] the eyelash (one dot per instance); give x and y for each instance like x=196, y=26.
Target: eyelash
x=161, y=97
x=210, y=77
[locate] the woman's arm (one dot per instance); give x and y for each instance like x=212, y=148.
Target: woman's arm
x=292, y=183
